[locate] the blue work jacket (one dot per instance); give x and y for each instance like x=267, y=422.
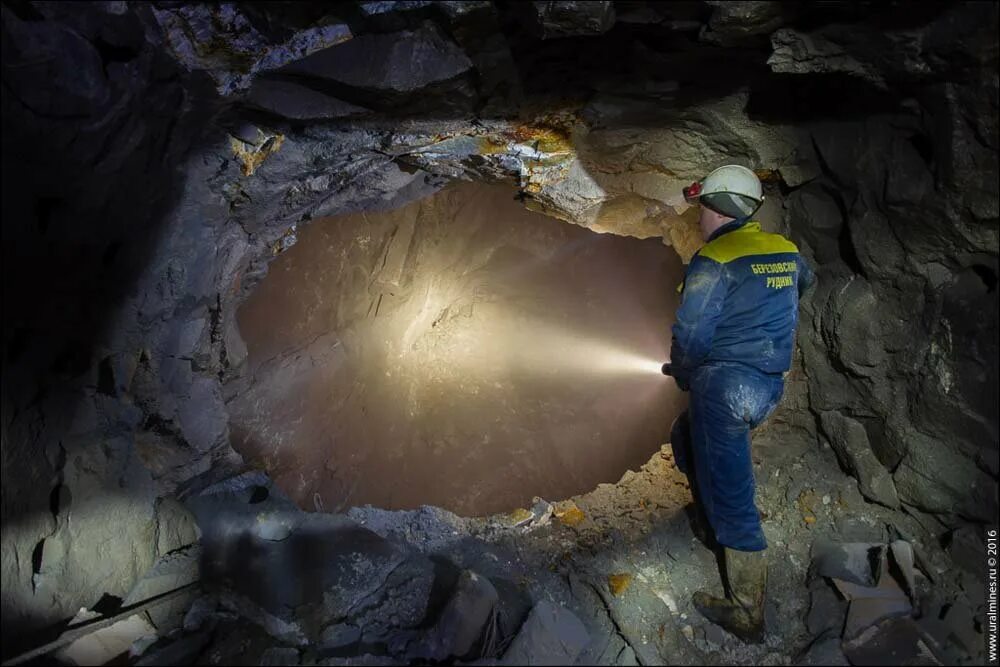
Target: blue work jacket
x=739, y=301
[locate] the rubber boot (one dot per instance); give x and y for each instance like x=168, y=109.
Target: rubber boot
x=742, y=613
x=700, y=526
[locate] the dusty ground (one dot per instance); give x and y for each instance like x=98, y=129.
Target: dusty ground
x=629, y=547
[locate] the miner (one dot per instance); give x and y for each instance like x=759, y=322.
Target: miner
x=732, y=345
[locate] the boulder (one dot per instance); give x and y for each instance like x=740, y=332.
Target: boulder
x=826, y=609
x=858, y=563
x=568, y=18
x=850, y=442
x=551, y=635
x=224, y=41
x=170, y=572
x=894, y=641
x=396, y=607
x=849, y=318
x=956, y=396
x=733, y=23
x=388, y=66
x=298, y=102
x=795, y=52
x=937, y=478
x=965, y=546
x=570, y=193
x=816, y=216
x=296, y=573
x=468, y=615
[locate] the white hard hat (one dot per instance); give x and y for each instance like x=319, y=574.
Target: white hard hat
x=732, y=190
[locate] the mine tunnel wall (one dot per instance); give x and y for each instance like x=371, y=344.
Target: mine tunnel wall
x=143, y=200
x=460, y=351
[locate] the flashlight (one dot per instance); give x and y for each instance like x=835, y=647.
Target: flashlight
x=667, y=369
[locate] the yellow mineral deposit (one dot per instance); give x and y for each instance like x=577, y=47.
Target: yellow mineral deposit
x=619, y=583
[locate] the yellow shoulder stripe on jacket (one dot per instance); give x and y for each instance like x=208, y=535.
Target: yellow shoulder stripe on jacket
x=746, y=241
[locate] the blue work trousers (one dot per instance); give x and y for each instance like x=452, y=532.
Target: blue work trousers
x=727, y=401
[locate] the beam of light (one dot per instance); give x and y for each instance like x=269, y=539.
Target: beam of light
x=622, y=361
x=541, y=347
x=489, y=340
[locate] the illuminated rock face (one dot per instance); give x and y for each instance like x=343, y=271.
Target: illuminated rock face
x=156, y=160
x=460, y=351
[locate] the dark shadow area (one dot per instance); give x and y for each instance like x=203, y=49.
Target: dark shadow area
x=896, y=14
x=529, y=76
x=632, y=60
x=343, y=589
x=974, y=351
x=785, y=98
x=89, y=177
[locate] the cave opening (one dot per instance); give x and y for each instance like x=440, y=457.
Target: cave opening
x=460, y=351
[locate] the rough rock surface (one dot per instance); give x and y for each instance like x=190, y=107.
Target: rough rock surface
x=608, y=580
x=389, y=68
x=550, y=636
x=850, y=442
x=144, y=198
x=569, y=19
x=433, y=379
x=733, y=23
x=223, y=41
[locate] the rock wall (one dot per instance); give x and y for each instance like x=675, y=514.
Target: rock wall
x=460, y=351
x=156, y=157
x=902, y=222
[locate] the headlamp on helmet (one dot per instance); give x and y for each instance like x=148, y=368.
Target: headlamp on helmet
x=731, y=190
x=692, y=192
